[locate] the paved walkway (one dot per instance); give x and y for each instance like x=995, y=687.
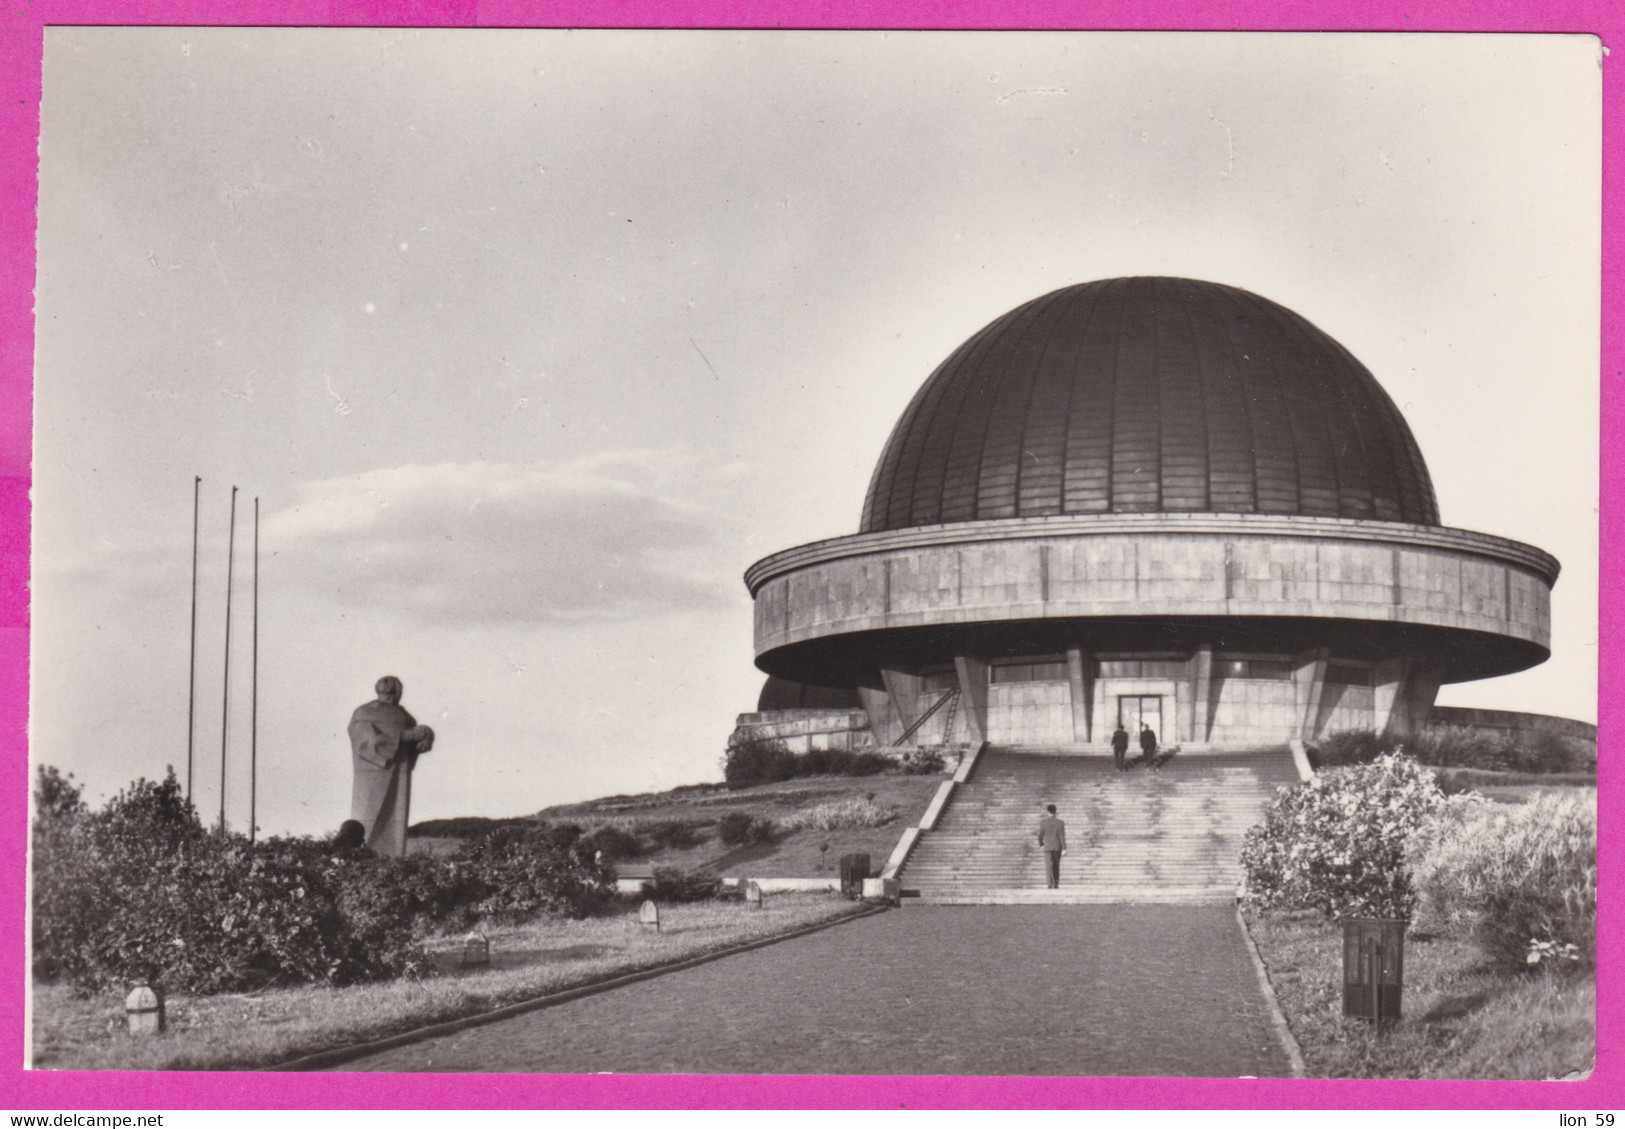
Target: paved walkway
x=1102, y=990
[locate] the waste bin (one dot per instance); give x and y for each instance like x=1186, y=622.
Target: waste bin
x=854, y=869
x=1373, y=967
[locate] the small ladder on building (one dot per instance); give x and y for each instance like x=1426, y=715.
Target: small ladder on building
x=951, y=696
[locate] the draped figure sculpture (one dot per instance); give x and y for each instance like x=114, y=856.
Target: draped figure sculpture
x=385, y=743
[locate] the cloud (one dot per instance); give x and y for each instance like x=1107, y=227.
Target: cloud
x=596, y=539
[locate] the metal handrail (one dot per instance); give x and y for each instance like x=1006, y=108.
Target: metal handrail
x=926, y=716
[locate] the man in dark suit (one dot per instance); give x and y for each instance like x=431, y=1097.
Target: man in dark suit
x=1052, y=840
x=1148, y=743
x=1120, y=748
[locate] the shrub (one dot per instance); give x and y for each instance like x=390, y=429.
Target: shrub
x=1336, y=843
x=839, y=815
x=1520, y=879
x=1460, y=746
x=922, y=762
x=840, y=762
x=615, y=842
x=737, y=828
x=756, y=760
x=1351, y=746
x=763, y=760
x=673, y=834
x=670, y=884
x=520, y=873
x=139, y=890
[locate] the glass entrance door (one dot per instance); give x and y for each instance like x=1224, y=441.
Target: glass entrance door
x=1138, y=710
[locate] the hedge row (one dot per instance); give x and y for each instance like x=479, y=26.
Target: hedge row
x=1456, y=746
x=140, y=890
x=764, y=760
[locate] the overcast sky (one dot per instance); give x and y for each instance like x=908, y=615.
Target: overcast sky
x=530, y=342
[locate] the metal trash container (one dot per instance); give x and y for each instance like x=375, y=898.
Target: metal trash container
x=854, y=869
x=1373, y=967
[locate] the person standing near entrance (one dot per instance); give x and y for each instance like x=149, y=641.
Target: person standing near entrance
x=1148, y=743
x=1120, y=748
x=1052, y=840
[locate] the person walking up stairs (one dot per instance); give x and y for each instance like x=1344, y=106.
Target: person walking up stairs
x=1052, y=839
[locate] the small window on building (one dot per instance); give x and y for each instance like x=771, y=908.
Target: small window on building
x=1337, y=674
x=1013, y=672
x=1270, y=670
x=1042, y=670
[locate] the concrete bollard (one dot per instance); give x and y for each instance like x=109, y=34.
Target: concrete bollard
x=649, y=917
x=144, y=1011
x=753, y=896
x=476, y=950
x=882, y=890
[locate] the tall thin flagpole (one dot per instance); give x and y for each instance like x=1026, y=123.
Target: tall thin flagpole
x=254, y=684
x=191, y=674
x=225, y=700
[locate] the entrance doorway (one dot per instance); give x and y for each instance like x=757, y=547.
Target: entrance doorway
x=1140, y=709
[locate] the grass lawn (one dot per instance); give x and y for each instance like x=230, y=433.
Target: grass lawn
x=1462, y=1017
x=796, y=854
x=75, y=1032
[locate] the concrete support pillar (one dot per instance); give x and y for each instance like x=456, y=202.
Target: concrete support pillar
x=1080, y=671
x=904, y=691
x=1201, y=695
x=1388, y=681
x=883, y=721
x=973, y=683
x=1309, y=679
x=1421, y=688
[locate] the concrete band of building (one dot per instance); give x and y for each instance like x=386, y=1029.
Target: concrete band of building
x=1159, y=503
x=1407, y=608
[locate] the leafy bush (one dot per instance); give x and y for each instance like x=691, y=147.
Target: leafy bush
x=673, y=834
x=1351, y=746
x=1337, y=843
x=1461, y=746
x=1535, y=750
x=669, y=884
x=756, y=760
x=519, y=873
x=839, y=815
x=1520, y=879
x=737, y=828
x=139, y=890
x=762, y=760
x=922, y=762
x=840, y=762
x=615, y=842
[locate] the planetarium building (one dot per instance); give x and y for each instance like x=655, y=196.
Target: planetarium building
x=1148, y=501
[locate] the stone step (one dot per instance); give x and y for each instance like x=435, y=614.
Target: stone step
x=1174, y=834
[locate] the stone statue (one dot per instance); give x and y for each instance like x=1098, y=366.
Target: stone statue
x=385, y=743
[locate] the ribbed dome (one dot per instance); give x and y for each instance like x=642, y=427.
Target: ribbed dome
x=1149, y=395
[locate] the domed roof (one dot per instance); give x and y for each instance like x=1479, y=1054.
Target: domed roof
x=1149, y=395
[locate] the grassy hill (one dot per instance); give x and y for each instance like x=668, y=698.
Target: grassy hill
x=684, y=827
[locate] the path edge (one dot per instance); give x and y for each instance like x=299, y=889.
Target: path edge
x=322, y=1060
x=1283, y=1031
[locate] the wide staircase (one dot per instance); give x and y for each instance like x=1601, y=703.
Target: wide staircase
x=1170, y=833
